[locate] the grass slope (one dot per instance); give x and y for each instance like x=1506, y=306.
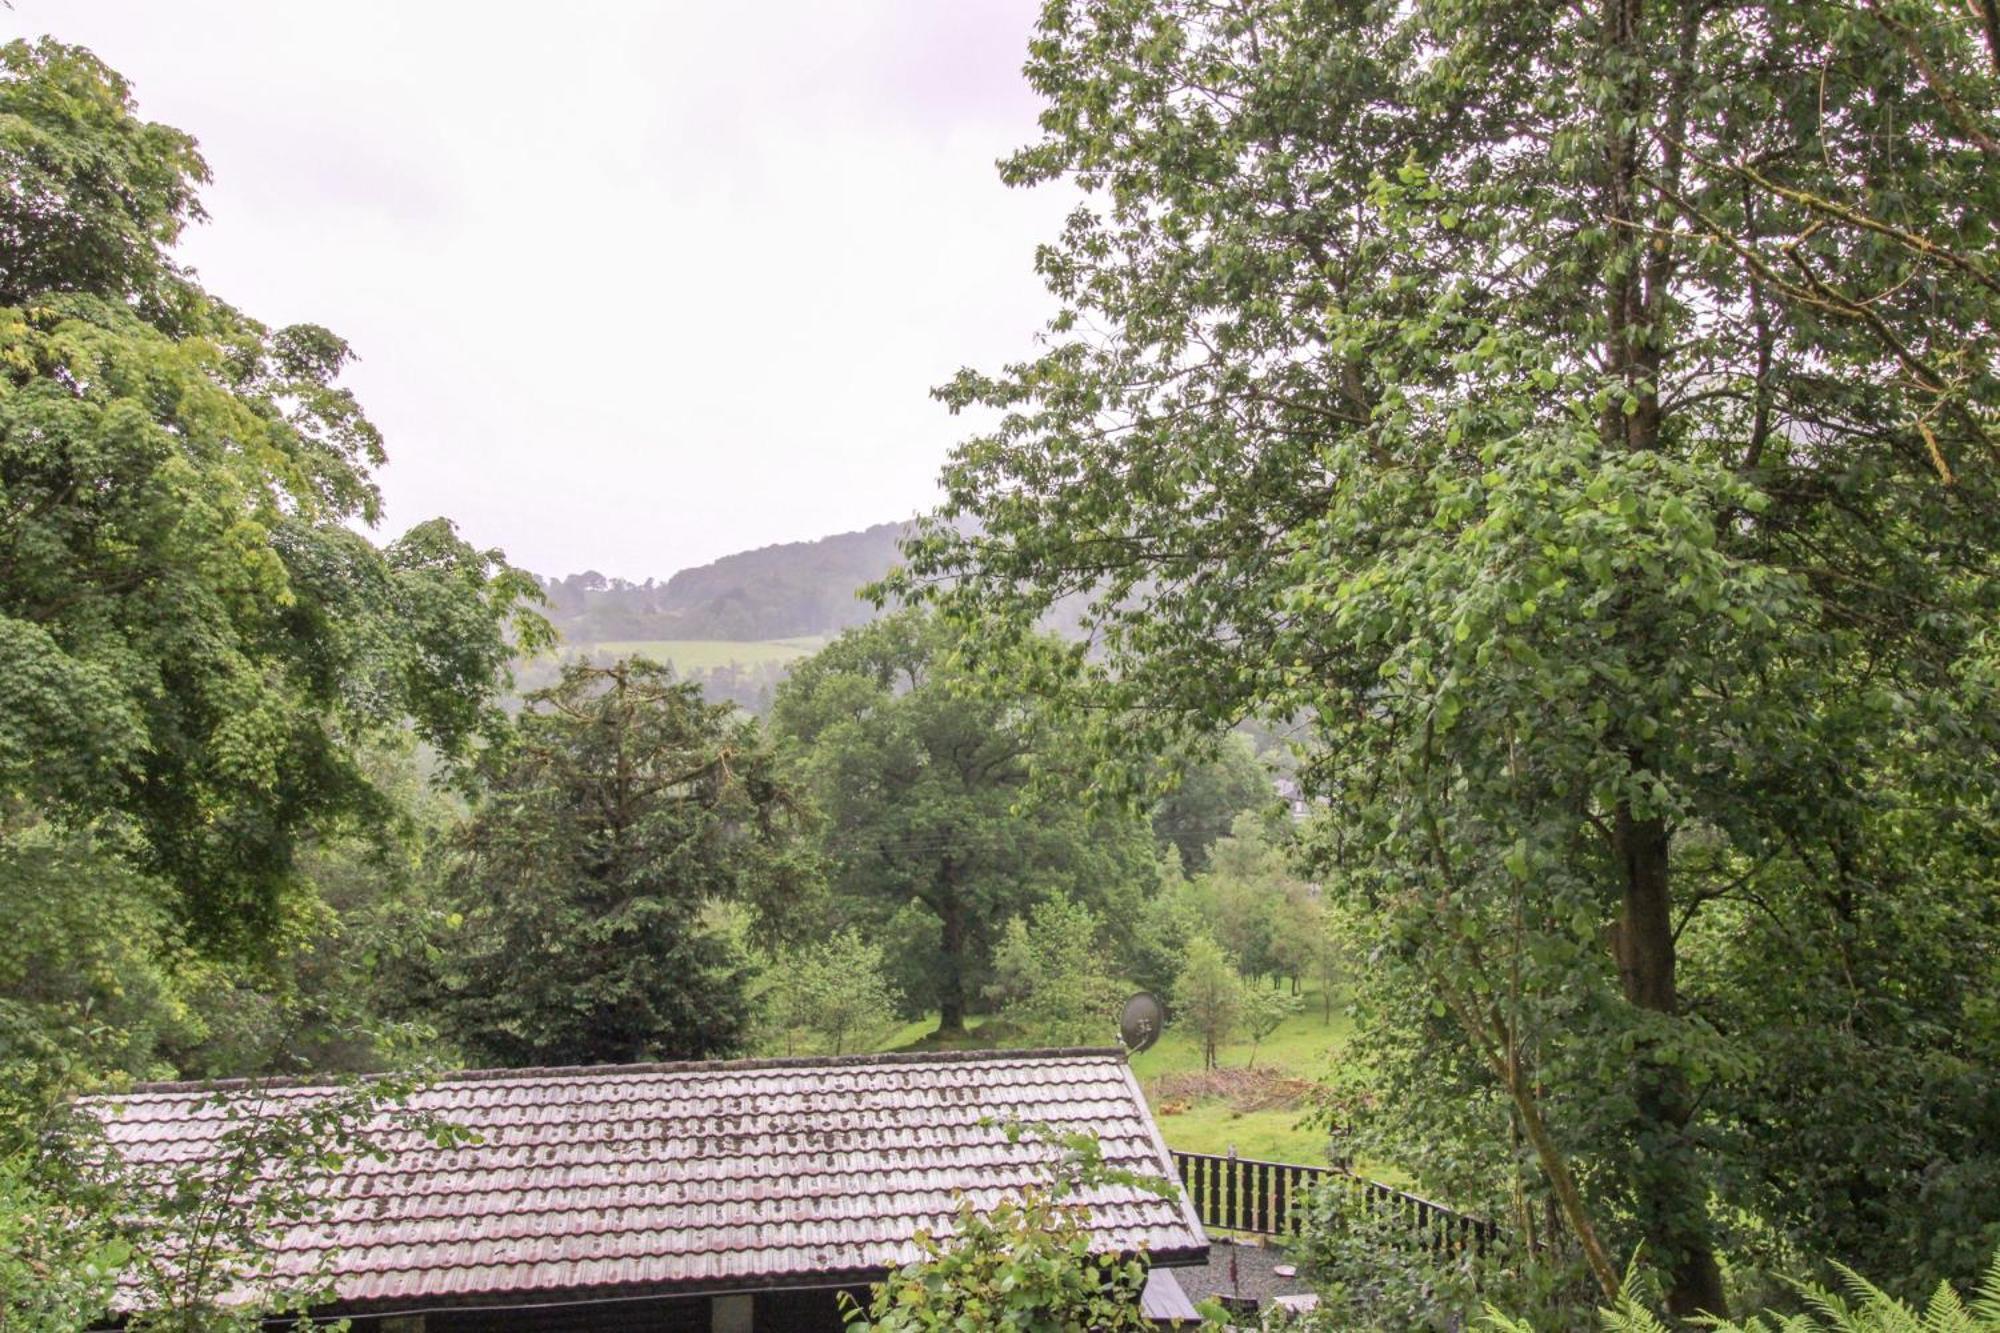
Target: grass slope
x=706, y=654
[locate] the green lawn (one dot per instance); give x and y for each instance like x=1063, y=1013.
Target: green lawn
x=707, y=654
x=922, y=1035
x=1272, y=1136
x=1305, y=1047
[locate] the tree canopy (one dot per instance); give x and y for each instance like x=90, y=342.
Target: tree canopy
x=923, y=780
x=621, y=810
x=192, y=633
x=1586, y=417
x=1207, y=797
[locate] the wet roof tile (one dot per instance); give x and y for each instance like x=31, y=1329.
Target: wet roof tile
x=691, y=1176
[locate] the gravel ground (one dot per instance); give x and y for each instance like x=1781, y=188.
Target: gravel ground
x=1253, y=1275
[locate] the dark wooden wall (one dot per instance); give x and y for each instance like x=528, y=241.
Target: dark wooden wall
x=775, y=1312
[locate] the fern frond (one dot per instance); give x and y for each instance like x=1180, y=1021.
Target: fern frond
x=1830, y=1308
x=1858, y=1307
x=1986, y=1306
x=1631, y=1315
x=1876, y=1311
x=1946, y=1312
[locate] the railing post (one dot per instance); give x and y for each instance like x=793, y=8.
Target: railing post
x=1235, y=1193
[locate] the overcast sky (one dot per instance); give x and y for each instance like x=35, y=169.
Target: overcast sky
x=634, y=285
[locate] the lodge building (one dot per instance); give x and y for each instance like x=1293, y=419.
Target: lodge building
x=722, y=1196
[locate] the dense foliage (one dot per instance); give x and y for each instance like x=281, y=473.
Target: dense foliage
x=1053, y=976
x=933, y=835
x=1207, y=797
x=622, y=807
x=261, y=812
x=828, y=997
x=1576, y=425
x=1585, y=416
x=59, y=1261
x=192, y=634
x=216, y=695
x=1860, y=1306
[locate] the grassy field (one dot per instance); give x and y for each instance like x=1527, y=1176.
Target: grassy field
x=1193, y=1113
x=1304, y=1048
x=707, y=654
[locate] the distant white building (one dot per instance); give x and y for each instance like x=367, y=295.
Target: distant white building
x=1292, y=795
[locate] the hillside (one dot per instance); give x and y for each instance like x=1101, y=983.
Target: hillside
x=788, y=591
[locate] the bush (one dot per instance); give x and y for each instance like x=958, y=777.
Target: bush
x=1051, y=975
x=1375, y=1271
x=828, y=998
x=1862, y=1308
x=58, y=1259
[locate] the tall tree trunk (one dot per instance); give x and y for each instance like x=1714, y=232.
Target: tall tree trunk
x=1672, y=1194
x=951, y=958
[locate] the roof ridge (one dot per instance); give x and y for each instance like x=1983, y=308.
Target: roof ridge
x=566, y=1072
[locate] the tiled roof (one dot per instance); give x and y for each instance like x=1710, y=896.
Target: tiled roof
x=715, y=1176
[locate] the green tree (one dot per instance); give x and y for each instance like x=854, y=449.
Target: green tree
x=1264, y=1012
x=1248, y=893
x=1326, y=958
x=622, y=808
x=1206, y=799
x=923, y=778
x=1052, y=974
x=829, y=997
x=1210, y=999
x=1298, y=932
x=193, y=636
x=334, y=993
x=1151, y=951
x=96, y=980
x=1586, y=416
x=100, y=983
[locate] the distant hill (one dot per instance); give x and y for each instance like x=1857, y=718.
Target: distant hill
x=736, y=625
x=789, y=591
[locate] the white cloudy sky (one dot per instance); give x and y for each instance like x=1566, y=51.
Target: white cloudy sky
x=634, y=284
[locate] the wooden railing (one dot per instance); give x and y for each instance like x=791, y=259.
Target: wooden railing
x=1268, y=1198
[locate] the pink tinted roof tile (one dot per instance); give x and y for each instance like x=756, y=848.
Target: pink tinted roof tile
x=697, y=1176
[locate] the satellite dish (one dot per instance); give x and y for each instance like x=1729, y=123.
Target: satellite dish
x=1139, y=1023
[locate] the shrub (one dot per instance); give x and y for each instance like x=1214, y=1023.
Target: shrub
x=1862, y=1307
x=829, y=998
x=1374, y=1271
